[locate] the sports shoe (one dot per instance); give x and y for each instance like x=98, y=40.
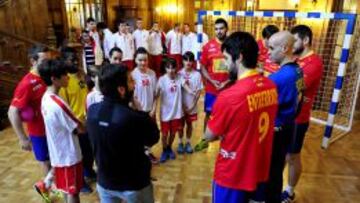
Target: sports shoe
x=180, y=149
x=164, y=156
x=201, y=145
x=188, y=148
x=42, y=190
x=171, y=154
x=286, y=198
x=153, y=158
x=86, y=189
x=56, y=194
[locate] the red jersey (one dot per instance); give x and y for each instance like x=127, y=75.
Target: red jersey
x=313, y=69
x=213, y=60
x=244, y=116
x=263, y=51
x=265, y=63
x=28, y=93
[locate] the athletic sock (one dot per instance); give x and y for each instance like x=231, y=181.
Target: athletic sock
x=48, y=180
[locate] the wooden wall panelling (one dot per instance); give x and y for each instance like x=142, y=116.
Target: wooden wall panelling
x=26, y=18
x=57, y=16
x=22, y=18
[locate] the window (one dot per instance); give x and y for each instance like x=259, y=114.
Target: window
x=79, y=10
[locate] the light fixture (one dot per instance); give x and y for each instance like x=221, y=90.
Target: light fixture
x=172, y=8
x=169, y=9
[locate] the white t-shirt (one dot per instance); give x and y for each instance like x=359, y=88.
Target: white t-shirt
x=170, y=97
x=141, y=38
x=145, y=87
x=126, y=43
x=173, y=42
x=189, y=43
x=108, y=42
x=155, y=43
x=93, y=97
x=193, y=80
x=60, y=122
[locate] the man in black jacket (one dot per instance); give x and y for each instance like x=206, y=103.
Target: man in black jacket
x=118, y=135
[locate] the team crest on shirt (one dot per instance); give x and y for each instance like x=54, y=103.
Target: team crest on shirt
x=219, y=66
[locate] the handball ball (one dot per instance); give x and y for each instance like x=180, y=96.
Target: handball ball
x=26, y=114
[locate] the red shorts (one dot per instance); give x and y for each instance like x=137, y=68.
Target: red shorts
x=171, y=126
x=188, y=119
x=178, y=59
x=130, y=64
x=155, y=64
x=69, y=179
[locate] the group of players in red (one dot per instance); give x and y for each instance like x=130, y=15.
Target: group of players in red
x=260, y=112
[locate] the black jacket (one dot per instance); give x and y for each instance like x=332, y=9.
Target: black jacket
x=118, y=135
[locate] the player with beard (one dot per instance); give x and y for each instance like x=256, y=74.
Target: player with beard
x=243, y=163
x=213, y=67
x=312, y=67
x=118, y=141
x=75, y=96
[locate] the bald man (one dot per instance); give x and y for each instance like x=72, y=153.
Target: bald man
x=312, y=66
x=289, y=82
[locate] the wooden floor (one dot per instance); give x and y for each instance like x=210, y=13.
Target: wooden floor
x=329, y=176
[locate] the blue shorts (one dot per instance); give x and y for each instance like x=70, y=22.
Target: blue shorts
x=209, y=102
x=222, y=194
x=298, y=138
x=40, y=147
